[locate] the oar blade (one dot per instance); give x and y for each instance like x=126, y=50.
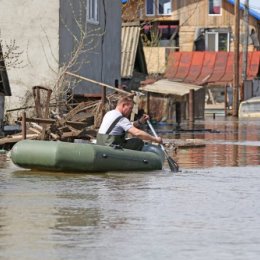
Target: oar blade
x=172, y=164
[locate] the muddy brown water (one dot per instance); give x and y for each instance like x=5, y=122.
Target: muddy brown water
x=209, y=210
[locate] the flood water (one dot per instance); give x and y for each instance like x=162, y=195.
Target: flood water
x=209, y=210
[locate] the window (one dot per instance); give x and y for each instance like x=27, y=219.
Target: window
x=158, y=7
x=149, y=7
x=250, y=107
x=160, y=34
x=164, y=7
x=223, y=41
x=215, y=7
x=217, y=41
x=211, y=44
x=92, y=11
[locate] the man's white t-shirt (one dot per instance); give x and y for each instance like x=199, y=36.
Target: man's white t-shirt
x=123, y=125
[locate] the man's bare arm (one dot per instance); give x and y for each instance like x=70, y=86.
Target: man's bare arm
x=143, y=135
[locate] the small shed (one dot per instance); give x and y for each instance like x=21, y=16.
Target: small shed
x=177, y=100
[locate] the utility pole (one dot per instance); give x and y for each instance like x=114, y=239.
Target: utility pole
x=245, y=47
x=236, y=60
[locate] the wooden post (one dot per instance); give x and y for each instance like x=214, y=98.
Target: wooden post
x=245, y=49
x=24, y=125
x=104, y=98
x=236, y=61
x=148, y=103
x=116, y=83
x=191, y=105
x=245, y=42
x=226, y=101
x=242, y=91
x=178, y=112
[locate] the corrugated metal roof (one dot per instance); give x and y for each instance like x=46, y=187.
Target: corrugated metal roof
x=252, y=12
x=208, y=67
x=129, y=43
x=168, y=87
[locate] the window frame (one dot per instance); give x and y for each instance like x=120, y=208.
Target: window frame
x=220, y=13
x=155, y=4
x=207, y=40
x=228, y=39
x=146, y=5
x=216, y=33
x=92, y=11
x=158, y=9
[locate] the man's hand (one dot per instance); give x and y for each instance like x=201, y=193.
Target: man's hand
x=143, y=119
x=158, y=140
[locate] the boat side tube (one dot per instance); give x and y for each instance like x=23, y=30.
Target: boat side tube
x=82, y=157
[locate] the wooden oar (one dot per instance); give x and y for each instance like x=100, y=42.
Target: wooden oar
x=172, y=164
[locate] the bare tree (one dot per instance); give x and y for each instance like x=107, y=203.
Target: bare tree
x=11, y=54
x=85, y=40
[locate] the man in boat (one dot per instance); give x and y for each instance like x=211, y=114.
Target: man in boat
x=116, y=124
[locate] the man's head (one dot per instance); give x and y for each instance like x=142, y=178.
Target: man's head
x=125, y=106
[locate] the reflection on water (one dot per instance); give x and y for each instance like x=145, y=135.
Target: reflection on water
x=231, y=143
x=210, y=210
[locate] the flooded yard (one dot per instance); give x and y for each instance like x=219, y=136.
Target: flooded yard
x=209, y=210
x=228, y=142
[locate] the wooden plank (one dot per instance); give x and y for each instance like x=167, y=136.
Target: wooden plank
x=16, y=138
x=89, y=121
x=98, y=83
x=36, y=131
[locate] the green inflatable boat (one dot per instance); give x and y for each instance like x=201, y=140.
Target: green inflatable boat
x=84, y=157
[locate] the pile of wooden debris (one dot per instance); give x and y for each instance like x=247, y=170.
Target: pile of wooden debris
x=79, y=122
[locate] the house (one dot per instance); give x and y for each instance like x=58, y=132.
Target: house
x=192, y=42
x=52, y=37
x=181, y=24
x=190, y=25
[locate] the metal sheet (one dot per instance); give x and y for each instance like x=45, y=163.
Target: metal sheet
x=172, y=64
x=207, y=67
x=219, y=67
x=202, y=68
x=253, y=67
x=184, y=65
x=168, y=87
x=129, y=43
x=196, y=66
x=252, y=12
x=228, y=76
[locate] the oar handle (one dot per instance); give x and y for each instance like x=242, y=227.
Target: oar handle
x=151, y=127
x=154, y=133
